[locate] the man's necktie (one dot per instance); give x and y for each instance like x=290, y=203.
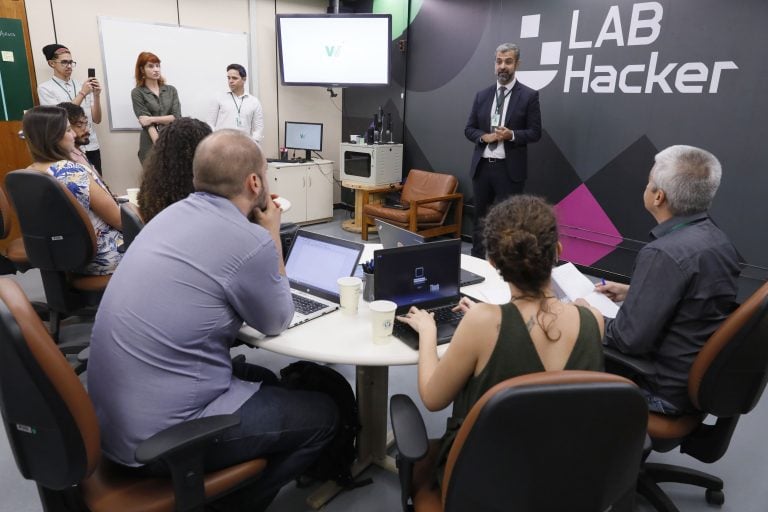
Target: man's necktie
x=500, y=96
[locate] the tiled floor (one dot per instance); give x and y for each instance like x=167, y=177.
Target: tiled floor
x=743, y=468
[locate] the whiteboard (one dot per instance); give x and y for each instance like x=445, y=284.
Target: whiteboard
x=193, y=60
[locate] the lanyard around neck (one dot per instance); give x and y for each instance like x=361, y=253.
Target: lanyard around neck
x=66, y=90
x=501, y=98
x=242, y=100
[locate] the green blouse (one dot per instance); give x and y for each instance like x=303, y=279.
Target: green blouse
x=515, y=355
x=146, y=103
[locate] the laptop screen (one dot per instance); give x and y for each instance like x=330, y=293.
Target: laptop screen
x=424, y=275
x=317, y=261
x=395, y=236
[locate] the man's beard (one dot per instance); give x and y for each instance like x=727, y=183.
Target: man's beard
x=82, y=141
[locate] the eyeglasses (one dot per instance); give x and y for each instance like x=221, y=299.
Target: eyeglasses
x=66, y=63
x=80, y=124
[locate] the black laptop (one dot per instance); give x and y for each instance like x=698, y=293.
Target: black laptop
x=392, y=236
x=425, y=276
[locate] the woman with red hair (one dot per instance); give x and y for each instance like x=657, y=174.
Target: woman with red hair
x=155, y=103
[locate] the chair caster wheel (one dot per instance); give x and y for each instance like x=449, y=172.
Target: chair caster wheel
x=714, y=497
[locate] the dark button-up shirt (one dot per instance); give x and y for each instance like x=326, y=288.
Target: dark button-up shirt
x=683, y=286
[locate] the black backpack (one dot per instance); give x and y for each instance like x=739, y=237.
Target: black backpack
x=335, y=461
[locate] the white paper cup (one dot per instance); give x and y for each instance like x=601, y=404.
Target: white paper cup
x=133, y=195
x=382, y=320
x=349, y=293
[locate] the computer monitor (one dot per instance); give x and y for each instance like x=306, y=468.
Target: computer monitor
x=306, y=136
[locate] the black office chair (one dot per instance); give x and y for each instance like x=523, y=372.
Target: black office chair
x=132, y=223
x=14, y=257
x=544, y=442
x=59, y=239
x=726, y=380
x=54, y=434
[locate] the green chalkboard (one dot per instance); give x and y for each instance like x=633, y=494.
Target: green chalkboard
x=15, y=90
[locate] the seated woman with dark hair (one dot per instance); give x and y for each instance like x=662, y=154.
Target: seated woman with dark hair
x=167, y=174
x=50, y=141
x=533, y=332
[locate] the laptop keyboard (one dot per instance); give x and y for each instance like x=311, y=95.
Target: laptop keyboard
x=306, y=306
x=443, y=315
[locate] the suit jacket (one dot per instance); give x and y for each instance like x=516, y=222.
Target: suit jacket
x=523, y=117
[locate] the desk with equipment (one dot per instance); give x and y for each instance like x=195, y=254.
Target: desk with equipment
x=345, y=339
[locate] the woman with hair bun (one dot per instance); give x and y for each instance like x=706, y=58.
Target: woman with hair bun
x=533, y=332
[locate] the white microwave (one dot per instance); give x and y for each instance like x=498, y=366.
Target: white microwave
x=371, y=164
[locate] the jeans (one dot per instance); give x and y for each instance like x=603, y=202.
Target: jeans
x=288, y=427
x=659, y=405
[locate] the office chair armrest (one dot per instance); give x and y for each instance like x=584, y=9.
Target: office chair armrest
x=408, y=428
x=180, y=448
x=411, y=442
x=183, y=436
x=623, y=364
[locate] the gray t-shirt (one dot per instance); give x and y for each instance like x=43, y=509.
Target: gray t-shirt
x=160, y=347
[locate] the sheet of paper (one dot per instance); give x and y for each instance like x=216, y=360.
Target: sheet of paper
x=576, y=285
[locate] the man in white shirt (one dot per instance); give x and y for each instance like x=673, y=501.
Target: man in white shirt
x=62, y=87
x=237, y=109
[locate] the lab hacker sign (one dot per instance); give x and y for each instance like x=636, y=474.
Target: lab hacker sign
x=577, y=66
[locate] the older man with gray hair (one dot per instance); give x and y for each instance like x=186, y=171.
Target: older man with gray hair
x=684, y=281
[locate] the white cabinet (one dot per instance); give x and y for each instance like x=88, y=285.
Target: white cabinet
x=308, y=186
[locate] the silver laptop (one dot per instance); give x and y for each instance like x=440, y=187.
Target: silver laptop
x=392, y=236
x=313, y=265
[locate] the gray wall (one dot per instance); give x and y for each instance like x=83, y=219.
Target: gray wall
x=604, y=140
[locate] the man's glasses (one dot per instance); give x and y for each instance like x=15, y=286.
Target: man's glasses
x=67, y=63
x=80, y=124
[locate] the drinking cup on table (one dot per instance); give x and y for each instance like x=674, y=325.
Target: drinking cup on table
x=349, y=293
x=382, y=320
x=133, y=195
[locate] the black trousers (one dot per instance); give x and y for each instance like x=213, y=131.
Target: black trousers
x=490, y=185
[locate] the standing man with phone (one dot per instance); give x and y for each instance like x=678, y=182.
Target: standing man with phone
x=505, y=117
x=62, y=87
x=237, y=109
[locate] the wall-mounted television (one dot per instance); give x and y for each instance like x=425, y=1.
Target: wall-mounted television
x=334, y=50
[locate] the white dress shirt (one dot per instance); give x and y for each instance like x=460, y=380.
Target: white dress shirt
x=498, y=151
x=237, y=112
x=55, y=91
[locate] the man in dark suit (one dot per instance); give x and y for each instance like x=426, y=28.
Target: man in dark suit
x=504, y=119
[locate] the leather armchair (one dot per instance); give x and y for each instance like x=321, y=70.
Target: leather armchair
x=54, y=434
x=428, y=197
x=726, y=380
x=549, y=441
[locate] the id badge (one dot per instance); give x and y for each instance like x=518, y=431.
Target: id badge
x=495, y=120
x=239, y=122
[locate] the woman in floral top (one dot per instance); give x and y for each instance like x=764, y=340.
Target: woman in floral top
x=50, y=140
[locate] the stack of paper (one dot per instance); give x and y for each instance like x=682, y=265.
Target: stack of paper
x=572, y=284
